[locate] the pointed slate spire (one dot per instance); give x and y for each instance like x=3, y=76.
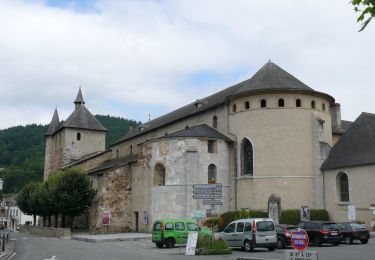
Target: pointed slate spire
x=79, y=99
x=54, y=123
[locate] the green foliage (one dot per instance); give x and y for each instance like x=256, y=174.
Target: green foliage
x=26, y=199
x=208, y=245
x=293, y=217
x=22, y=150
x=230, y=216
x=366, y=8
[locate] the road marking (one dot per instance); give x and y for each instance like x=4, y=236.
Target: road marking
x=52, y=258
x=24, y=238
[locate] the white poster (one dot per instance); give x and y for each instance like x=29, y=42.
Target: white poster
x=351, y=213
x=305, y=213
x=191, y=243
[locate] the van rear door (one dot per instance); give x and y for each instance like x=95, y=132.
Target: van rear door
x=157, y=232
x=265, y=232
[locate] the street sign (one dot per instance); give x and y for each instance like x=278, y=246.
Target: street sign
x=299, y=239
x=301, y=255
x=351, y=213
x=207, y=196
x=212, y=202
x=207, y=191
x=207, y=186
x=198, y=214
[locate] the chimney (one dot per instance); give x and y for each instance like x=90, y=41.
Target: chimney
x=336, y=116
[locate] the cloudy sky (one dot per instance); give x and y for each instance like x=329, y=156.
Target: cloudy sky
x=139, y=57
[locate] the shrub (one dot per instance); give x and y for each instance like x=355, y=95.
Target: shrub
x=292, y=216
x=230, y=216
x=211, y=222
x=319, y=214
x=208, y=245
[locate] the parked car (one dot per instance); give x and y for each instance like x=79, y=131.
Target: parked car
x=354, y=231
x=169, y=232
x=251, y=233
x=284, y=234
x=321, y=232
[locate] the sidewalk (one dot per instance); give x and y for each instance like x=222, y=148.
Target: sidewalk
x=102, y=238
x=372, y=234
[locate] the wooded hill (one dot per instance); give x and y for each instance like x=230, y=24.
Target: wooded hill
x=22, y=150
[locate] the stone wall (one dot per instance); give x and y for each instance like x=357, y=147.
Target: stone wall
x=113, y=195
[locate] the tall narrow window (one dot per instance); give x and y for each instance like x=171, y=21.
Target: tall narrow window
x=343, y=187
x=117, y=154
x=247, y=105
x=131, y=149
x=324, y=107
x=78, y=136
x=298, y=102
x=247, y=157
x=263, y=103
x=234, y=108
x=212, y=174
x=211, y=146
x=313, y=104
x=214, y=122
x=159, y=175
x=281, y=102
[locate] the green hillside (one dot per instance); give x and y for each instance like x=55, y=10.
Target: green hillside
x=22, y=150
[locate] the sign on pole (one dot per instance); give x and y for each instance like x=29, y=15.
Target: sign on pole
x=305, y=213
x=299, y=239
x=198, y=214
x=301, y=255
x=191, y=243
x=210, y=194
x=351, y=213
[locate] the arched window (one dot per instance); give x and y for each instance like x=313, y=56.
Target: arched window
x=247, y=105
x=117, y=154
x=212, y=174
x=247, y=157
x=214, y=122
x=298, y=102
x=281, y=102
x=263, y=103
x=131, y=149
x=324, y=107
x=234, y=108
x=78, y=136
x=313, y=104
x=342, y=184
x=159, y=175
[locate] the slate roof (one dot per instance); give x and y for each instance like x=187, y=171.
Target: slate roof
x=114, y=163
x=269, y=78
x=356, y=147
x=82, y=118
x=199, y=131
x=344, y=126
x=79, y=98
x=55, y=123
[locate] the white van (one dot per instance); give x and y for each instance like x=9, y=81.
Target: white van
x=250, y=233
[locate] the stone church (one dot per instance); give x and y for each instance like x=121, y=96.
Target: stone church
x=264, y=140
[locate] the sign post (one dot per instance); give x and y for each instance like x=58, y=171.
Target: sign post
x=211, y=194
x=300, y=241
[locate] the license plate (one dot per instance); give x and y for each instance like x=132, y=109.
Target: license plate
x=334, y=233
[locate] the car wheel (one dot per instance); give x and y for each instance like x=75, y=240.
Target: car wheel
x=169, y=243
x=364, y=241
x=271, y=248
x=280, y=243
x=317, y=241
x=159, y=244
x=248, y=247
x=348, y=240
x=336, y=243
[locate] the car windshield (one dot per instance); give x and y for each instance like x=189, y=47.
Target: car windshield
x=265, y=226
x=356, y=226
x=329, y=226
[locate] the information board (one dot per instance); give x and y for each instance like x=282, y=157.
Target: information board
x=191, y=243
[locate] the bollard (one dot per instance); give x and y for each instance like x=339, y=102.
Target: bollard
x=8, y=235
x=3, y=246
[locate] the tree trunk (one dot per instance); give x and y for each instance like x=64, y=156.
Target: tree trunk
x=49, y=221
x=44, y=220
x=56, y=219
x=34, y=216
x=71, y=222
x=63, y=221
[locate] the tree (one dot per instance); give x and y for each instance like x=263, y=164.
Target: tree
x=27, y=199
x=74, y=193
x=367, y=10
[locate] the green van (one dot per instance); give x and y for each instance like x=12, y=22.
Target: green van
x=169, y=232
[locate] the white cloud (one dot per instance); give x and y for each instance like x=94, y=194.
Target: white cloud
x=141, y=53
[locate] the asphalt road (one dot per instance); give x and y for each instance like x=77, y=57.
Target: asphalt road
x=29, y=247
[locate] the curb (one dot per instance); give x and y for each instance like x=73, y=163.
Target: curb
x=106, y=240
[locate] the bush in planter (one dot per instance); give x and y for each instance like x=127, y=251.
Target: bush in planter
x=208, y=245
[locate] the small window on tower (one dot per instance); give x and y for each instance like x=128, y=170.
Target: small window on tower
x=78, y=136
x=247, y=105
x=212, y=146
x=263, y=103
x=281, y=102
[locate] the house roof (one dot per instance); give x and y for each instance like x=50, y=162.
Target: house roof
x=199, y=131
x=114, y=163
x=269, y=78
x=356, y=147
x=55, y=123
x=344, y=126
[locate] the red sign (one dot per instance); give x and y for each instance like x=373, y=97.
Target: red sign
x=299, y=239
x=106, y=218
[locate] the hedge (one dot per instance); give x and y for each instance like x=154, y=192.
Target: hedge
x=292, y=216
x=230, y=216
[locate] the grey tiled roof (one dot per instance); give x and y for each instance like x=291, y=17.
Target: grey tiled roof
x=79, y=98
x=202, y=130
x=269, y=78
x=82, y=118
x=55, y=123
x=114, y=163
x=356, y=147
